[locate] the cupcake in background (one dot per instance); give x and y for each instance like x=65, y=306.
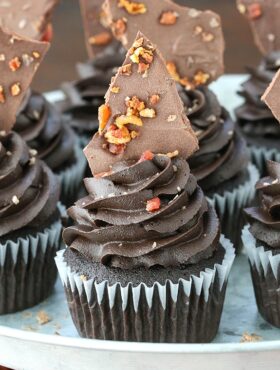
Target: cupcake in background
x=30, y=225
x=39, y=123
x=255, y=119
x=84, y=96
x=49, y=136
x=144, y=259
x=261, y=239
x=222, y=164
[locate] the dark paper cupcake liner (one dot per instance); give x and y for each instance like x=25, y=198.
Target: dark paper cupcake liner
x=260, y=155
x=230, y=205
x=27, y=269
x=265, y=274
x=186, y=312
x=71, y=178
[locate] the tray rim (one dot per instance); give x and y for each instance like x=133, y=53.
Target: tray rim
x=115, y=346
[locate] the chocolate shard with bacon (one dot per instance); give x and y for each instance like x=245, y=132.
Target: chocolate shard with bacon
x=142, y=112
x=97, y=35
x=190, y=40
x=19, y=60
x=28, y=18
x=263, y=17
x=272, y=96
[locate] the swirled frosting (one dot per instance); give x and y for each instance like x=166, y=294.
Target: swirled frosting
x=29, y=191
x=85, y=96
x=222, y=152
x=42, y=127
x=265, y=219
x=112, y=225
x=254, y=117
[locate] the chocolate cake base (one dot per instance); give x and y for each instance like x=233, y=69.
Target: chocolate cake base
x=267, y=293
x=100, y=273
x=27, y=270
x=167, y=316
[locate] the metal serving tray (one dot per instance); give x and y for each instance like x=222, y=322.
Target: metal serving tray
x=27, y=344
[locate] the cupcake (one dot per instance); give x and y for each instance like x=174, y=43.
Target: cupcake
x=30, y=226
x=144, y=260
x=255, y=120
x=261, y=239
x=49, y=135
x=222, y=163
x=38, y=122
x=84, y=96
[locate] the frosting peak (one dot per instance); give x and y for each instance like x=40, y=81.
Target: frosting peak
x=144, y=213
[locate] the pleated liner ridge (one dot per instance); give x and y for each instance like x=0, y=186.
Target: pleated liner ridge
x=265, y=274
x=186, y=312
x=27, y=269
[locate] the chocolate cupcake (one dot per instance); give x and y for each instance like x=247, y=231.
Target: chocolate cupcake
x=221, y=165
x=146, y=265
x=84, y=96
x=145, y=260
x=261, y=239
x=255, y=120
x=30, y=226
x=222, y=162
x=46, y=132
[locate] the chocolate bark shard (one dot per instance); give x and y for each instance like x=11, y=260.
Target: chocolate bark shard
x=97, y=35
x=272, y=96
x=143, y=111
x=190, y=40
x=19, y=60
x=263, y=17
x=28, y=18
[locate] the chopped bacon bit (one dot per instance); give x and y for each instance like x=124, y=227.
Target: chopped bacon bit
x=168, y=18
x=153, y=205
x=116, y=149
x=115, y=89
x=36, y=55
x=126, y=70
x=14, y=64
x=118, y=136
x=201, y=78
x=104, y=114
x=143, y=67
x=2, y=95
x=132, y=7
x=154, y=99
x=15, y=89
x=103, y=38
x=48, y=35
x=254, y=11
x=146, y=156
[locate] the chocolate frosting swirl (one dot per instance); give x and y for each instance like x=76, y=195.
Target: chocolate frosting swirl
x=254, y=117
x=87, y=94
x=113, y=227
x=265, y=219
x=29, y=191
x=222, y=152
x=43, y=128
